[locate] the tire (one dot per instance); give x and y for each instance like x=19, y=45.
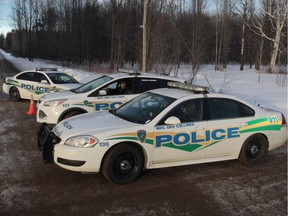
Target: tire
x=70, y=114
x=14, y=94
x=254, y=150
x=123, y=164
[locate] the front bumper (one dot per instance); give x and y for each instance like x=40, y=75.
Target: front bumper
x=67, y=157
x=47, y=115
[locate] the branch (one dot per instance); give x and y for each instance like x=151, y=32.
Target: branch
x=258, y=26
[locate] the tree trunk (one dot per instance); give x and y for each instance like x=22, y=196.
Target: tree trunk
x=242, y=47
x=275, y=50
x=144, y=45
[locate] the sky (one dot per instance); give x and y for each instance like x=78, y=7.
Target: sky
x=5, y=13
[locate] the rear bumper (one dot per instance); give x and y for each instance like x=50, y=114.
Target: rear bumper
x=5, y=88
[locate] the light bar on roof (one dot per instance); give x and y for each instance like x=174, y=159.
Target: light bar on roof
x=130, y=72
x=45, y=69
x=184, y=86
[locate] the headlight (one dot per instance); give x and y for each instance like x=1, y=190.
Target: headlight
x=82, y=141
x=54, y=103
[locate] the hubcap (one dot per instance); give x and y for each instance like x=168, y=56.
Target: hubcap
x=125, y=165
x=254, y=149
x=14, y=93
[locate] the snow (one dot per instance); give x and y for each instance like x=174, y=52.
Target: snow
x=256, y=87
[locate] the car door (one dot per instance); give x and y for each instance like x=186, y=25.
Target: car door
x=41, y=85
x=182, y=142
x=227, y=116
x=112, y=95
x=143, y=84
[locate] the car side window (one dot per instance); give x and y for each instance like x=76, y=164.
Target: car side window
x=124, y=87
x=146, y=84
x=245, y=111
x=222, y=108
x=38, y=77
x=187, y=111
x=28, y=76
x=119, y=87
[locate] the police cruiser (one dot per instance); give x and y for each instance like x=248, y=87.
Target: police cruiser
x=104, y=93
x=163, y=128
x=37, y=82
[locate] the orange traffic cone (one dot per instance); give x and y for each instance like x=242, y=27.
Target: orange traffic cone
x=32, y=109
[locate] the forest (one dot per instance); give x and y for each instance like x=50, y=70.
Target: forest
x=156, y=35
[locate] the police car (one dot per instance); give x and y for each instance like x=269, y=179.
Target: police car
x=163, y=128
x=37, y=83
x=103, y=93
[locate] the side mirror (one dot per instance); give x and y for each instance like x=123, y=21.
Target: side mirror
x=172, y=121
x=44, y=82
x=102, y=92
x=116, y=106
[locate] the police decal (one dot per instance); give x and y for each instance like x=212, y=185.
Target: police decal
x=141, y=135
x=210, y=136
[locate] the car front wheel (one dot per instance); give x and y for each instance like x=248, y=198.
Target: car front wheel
x=253, y=150
x=123, y=164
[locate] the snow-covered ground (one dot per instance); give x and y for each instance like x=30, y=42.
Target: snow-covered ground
x=256, y=87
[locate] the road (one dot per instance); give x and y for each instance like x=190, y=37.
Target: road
x=28, y=187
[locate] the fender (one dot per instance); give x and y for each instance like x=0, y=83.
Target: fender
x=71, y=110
x=144, y=151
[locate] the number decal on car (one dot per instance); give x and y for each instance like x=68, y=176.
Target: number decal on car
x=104, y=144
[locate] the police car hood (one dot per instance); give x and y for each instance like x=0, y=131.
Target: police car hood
x=90, y=124
x=69, y=85
x=57, y=95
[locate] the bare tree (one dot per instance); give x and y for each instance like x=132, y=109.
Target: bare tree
x=223, y=31
x=19, y=25
x=87, y=31
x=115, y=7
x=276, y=12
x=199, y=42
x=244, y=4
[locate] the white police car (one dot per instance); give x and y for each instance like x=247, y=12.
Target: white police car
x=37, y=83
x=163, y=128
x=103, y=93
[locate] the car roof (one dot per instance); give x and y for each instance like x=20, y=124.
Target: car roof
x=180, y=93
x=43, y=70
x=145, y=75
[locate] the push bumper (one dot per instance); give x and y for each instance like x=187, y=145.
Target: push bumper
x=46, y=142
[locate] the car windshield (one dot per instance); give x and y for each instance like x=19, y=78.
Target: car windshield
x=61, y=78
x=92, y=85
x=143, y=108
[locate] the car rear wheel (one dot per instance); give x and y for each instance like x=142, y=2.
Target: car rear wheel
x=14, y=94
x=123, y=164
x=254, y=149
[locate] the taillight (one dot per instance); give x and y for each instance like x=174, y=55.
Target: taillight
x=284, y=124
